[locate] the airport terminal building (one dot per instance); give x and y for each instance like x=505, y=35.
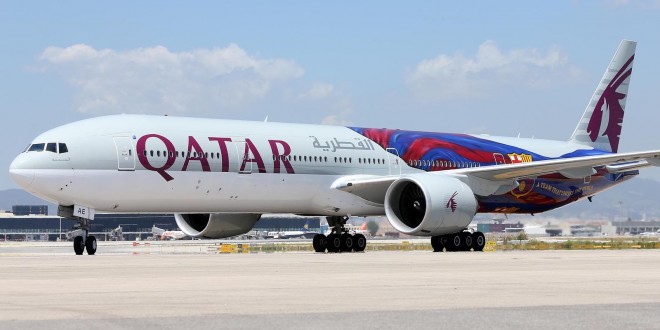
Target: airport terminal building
x=31, y=222
x=636, y=227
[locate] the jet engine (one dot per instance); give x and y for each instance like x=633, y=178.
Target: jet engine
x=216, y=225
x=429, y=204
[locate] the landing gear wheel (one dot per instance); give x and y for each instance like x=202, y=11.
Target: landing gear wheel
x=319, y=243
x=333, y=243
x=466, y=241
x=436, y=243
x=78, y=245
x=479, y=240
x=359, y=242
x=90, y=245
x=453, y=242
x=346, y=242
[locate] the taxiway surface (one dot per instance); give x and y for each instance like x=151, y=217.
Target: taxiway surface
x=519, y=289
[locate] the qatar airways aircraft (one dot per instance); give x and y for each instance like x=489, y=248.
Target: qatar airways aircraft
x=219, y=176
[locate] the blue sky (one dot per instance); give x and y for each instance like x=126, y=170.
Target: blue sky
x=501, y=68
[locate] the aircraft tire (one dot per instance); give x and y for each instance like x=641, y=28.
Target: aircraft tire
x=359, y=242
x=318, y=243
x=90, y=245
x=78, y=245
x=436, y=243
x=347, y=242
x=466, y=241
x=479, y=240
x=453, y=242
x=333, y=243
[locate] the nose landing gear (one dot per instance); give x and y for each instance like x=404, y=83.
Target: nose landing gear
x=85, y=241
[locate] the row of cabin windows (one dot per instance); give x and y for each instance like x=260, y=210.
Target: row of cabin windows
x=55, y=147
x=324, y=159
x=316, y=159
x=177, y=154
x=295, y=158
x=439, y=163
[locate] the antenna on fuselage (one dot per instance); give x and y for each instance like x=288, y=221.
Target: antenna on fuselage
x=266, y=119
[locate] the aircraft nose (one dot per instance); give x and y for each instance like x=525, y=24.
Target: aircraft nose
x=20, y=174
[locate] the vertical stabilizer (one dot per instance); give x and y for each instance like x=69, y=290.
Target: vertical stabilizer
x=601, y=122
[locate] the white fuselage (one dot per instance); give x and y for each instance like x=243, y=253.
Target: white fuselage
x=103, y=170
x=135, y=163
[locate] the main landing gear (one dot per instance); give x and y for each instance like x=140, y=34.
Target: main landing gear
x=339, y=240
x=463, y=241
x=84, y=242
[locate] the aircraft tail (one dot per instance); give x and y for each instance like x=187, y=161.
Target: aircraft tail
x=601, y=122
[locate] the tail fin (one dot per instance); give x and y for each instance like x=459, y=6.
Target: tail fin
x=601, y=122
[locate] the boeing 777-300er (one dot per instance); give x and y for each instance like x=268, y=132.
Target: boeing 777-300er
x=218, y=176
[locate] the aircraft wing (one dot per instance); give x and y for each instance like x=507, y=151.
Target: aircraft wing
x=575, y=167
x=498, y=179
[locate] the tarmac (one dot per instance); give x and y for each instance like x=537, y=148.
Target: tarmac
x=46, y=286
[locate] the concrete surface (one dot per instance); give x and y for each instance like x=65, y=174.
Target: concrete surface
x=522, y=289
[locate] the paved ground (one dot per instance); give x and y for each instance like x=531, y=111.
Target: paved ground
x=522, y=289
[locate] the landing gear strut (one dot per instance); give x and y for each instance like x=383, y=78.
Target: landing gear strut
x=339, y=240
x=462, y=241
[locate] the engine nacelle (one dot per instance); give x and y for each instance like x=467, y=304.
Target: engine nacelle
x=429, y=204
x=216, y=225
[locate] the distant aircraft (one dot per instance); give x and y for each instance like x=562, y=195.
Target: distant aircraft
x=219, y=176
x=163, y=234
x=304, y=232
x=352, y=229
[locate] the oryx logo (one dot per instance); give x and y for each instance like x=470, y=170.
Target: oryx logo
x=610, y=102
x=451, y=203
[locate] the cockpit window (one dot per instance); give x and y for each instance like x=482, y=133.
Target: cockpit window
x=37, y=147
x=52, y=147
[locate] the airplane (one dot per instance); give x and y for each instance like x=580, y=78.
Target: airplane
x=218, y=176
x=304, y=232
x=353, y=229
x=168, y=235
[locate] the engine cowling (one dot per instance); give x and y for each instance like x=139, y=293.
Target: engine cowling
x=429, y=204
x=215, y=225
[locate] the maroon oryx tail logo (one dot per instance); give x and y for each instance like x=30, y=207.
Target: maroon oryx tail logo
x=609, y=104
x=451, y=203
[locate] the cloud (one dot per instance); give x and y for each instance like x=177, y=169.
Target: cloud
x=157, y=80
x=336, y=120
x=488, y=72
x=318, y=91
